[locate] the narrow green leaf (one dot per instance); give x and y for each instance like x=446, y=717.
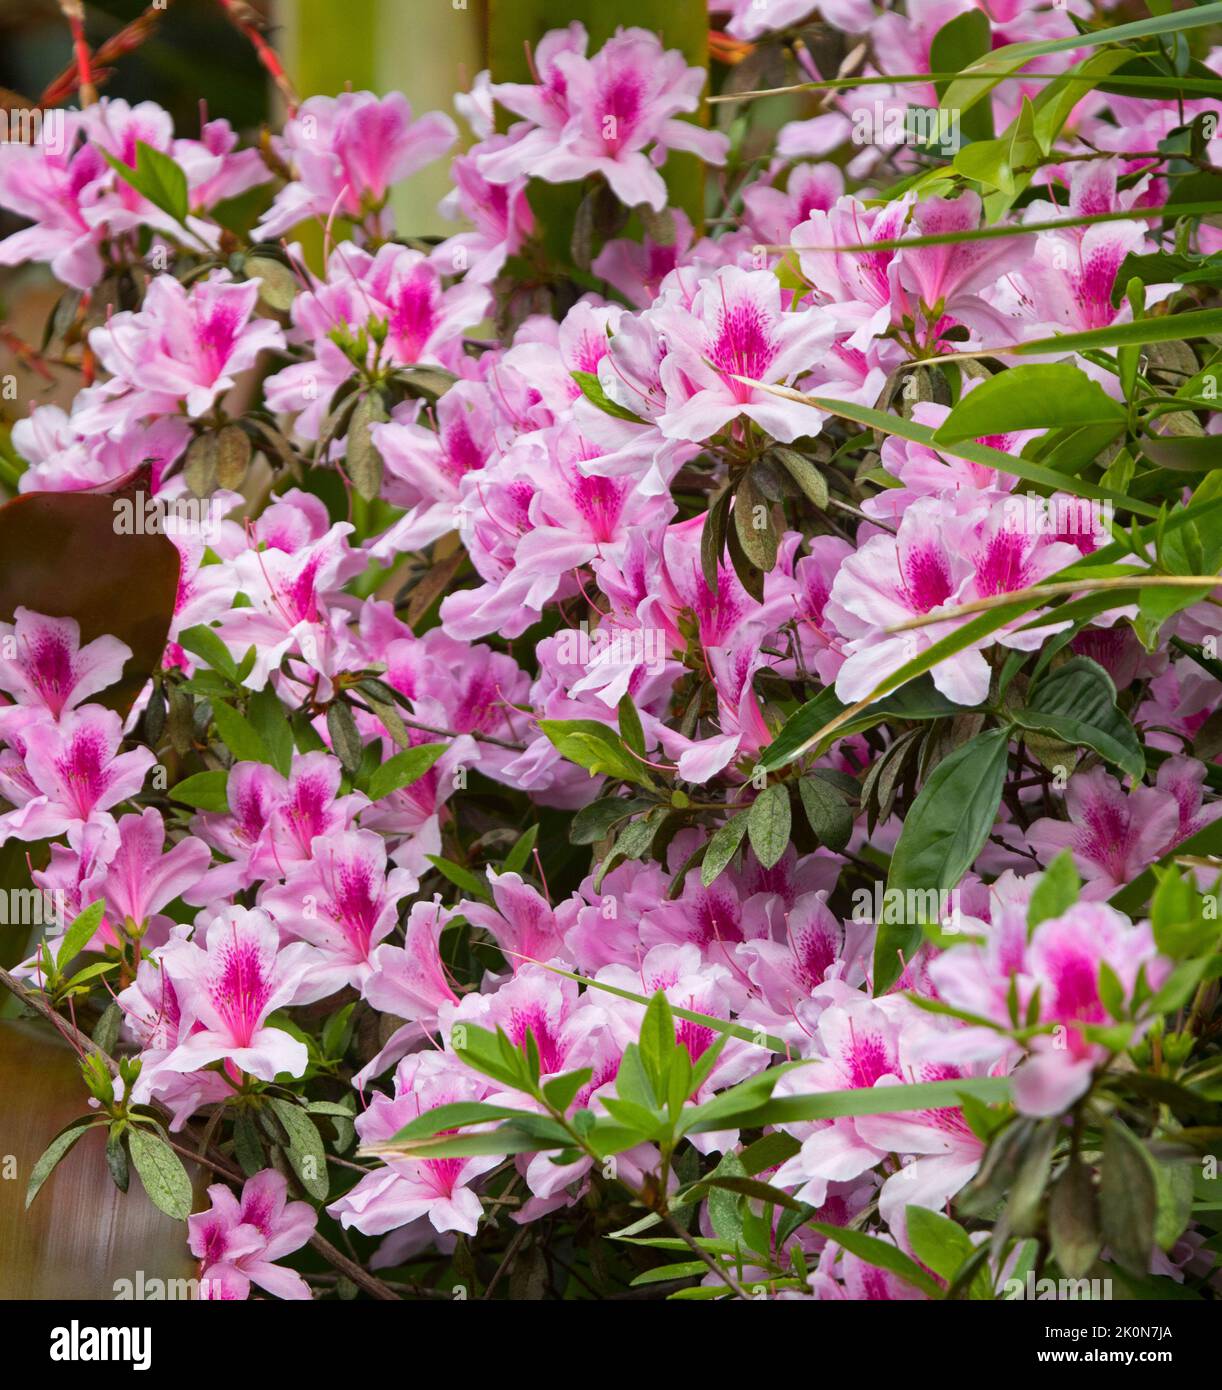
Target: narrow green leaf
x=79, y=934
x=54, y=1151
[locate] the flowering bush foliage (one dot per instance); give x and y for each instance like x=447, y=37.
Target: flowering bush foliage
x=686, y=749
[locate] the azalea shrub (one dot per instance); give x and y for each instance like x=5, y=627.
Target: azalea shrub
x=683, y=758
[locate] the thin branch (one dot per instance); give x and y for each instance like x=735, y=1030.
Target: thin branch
x=245, y=19
x=74, y=12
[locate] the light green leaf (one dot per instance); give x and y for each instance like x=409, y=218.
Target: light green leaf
x=1043, y=395
x=403, y=769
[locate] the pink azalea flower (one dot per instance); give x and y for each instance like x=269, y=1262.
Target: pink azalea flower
x=140, y=879
x=424, y=467
x=63, y=458
x=52, y=187
x=500, y=213
x=615, y=105
x=289, y=596
x=238, y=1240
x=231, y=985
x=406, y=1189
x=946, y=281
x=1060, y=966
x=410, y=982
x=941, y=558
x=153, y=1018
x=1113, y=835
x=74, y=773
x=185, y=347
x=342, y=901
x=736, y=328
x=348, y=152
x=522, y=923
x=774, y=214
x=638, y=268
x=43, y=665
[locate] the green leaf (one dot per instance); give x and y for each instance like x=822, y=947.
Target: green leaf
x=657, y=1044
x=403, y=769
x=270, y=720
x=1178, y=918
x=794, y=738
x=750, y=1104
x=956, y=46
x=975, y=82
x=879, y=1254
x=1077, y=704
x=490, y=1053
x=206, y=791
x=1073, y=1220
x=753, y=526
x=1196, y=323
x=919, y=701
x=519, y=856
x=239, y=735
x=944, y=831
x=345, y=736
x=54, y=1151
x=1128, y=1198
x=938, y=1242
x=116, y=1159
x=1055, y=892
x=1173, y=1209
x=79, y=934
x=1031, y=396
x=595, y=821
x=722, y=847
x=161, y=1171
x=984, y=454
x=592, y=390
x=457, y=1115
x=306, y=1155
x=769, y=822
x=460, y=877
x=157, y=178
x=247, y=1145
x=827, y=811
x=362, y=461
x=561, y=1091
x=205, y=643
x=597, y=748
x=805, y=474
x=630, y=726
x=713, y=536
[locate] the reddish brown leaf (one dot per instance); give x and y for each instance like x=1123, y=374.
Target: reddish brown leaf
x=60, y=555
